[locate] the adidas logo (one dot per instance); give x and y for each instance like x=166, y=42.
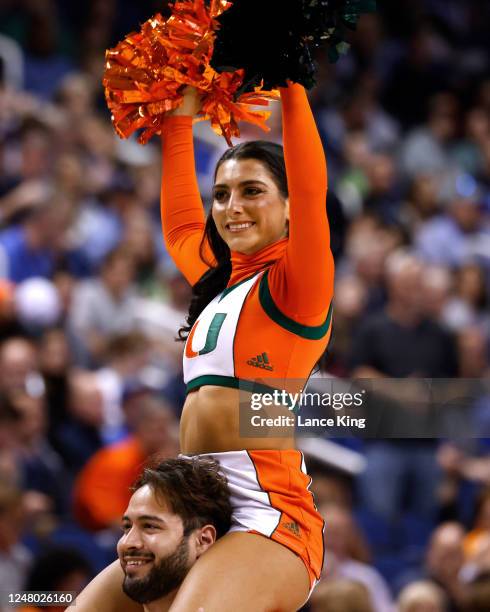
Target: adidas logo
x=261, y=361
x=293, y=527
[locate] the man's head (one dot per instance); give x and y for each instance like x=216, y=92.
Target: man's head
x=445, y=555
x=156, y=428
x=404, y=281
x=18, y=359
x=118, y=271
x=422, y=596
x=179, y=508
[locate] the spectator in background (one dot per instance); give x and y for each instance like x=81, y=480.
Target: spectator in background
x=330, y=485
x=69, y=177
x=126, y=355
x=45, y=66
x=422, y=201
x=350, y=303
x=73, y=401
x=436, y=290
x=402, y=342
x=462, y=226
x=101, y=491
x=424, y=67
x=358, y=110
x=75, y=97
x=55, y=363
x=15, y=559
x=96, y=140
x=101, y=224
x=65, y=283
x=384, y=196
x=422, y=596
x=369, y=243
x=469, y=153
x=340, y=595
x=26, y=249
x=352, y=184
x=34, y=163
x=78, y=434
x=470, y=305
x=40, y=467
x=473, y=363
x=161, y=315
x=427, y=149
x=19, y=367
x=139, y=242
x=135, y=393
x=57, y=569
x=457, y=301
x=444, y=561
x=347, y=556
x=103, y=307
x=37, y=244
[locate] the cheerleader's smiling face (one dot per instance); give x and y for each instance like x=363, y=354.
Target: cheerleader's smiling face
x=248, y=210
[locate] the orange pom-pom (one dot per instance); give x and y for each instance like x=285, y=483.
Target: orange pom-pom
x=146, y=74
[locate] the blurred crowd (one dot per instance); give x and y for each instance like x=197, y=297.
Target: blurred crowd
x=90, y=303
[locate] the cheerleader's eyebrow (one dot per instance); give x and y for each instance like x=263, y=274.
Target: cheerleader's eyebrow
x=241, y=184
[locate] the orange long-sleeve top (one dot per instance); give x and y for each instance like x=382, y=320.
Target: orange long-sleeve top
x=301, y=279
x=102, y=489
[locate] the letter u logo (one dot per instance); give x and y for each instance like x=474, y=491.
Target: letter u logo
x=211, y=337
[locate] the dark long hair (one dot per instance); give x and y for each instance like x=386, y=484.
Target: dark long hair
x=214, y=281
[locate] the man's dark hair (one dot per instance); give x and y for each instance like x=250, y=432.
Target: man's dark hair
x=194, y=489
x=53, y=566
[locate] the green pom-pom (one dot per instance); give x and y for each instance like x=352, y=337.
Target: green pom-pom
x=275, y=50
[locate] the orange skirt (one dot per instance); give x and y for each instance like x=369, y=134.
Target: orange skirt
x=270, y=496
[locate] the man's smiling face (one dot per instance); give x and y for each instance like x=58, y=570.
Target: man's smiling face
x=153, y=551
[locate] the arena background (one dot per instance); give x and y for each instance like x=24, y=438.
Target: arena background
x=90, y=374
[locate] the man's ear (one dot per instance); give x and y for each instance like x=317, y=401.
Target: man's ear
x=287, y=208
x=206, y=537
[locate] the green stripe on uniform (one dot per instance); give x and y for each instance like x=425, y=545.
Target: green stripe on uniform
x=229, y=381
x=229, y=289
x=310, y=332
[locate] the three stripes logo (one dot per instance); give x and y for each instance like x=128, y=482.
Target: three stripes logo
x=260, y=361
x=293, y=527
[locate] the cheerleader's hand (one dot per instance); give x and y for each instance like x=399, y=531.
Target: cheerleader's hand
x=191, y=104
